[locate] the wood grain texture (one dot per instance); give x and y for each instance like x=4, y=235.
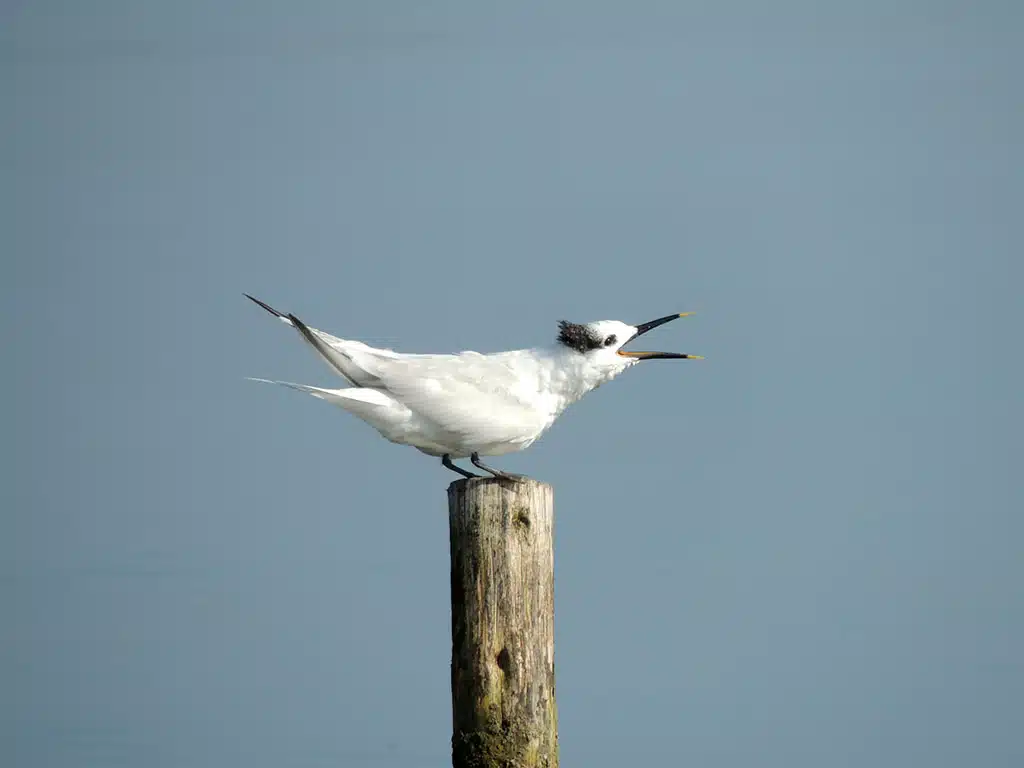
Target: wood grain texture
x=503, y=642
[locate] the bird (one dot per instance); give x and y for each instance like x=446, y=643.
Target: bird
x=469, y=404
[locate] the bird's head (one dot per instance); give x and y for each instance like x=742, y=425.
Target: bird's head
x=601, y=343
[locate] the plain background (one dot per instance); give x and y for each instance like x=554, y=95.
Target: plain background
x=805, y=551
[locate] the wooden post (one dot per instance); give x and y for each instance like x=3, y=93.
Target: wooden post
x=503, y=617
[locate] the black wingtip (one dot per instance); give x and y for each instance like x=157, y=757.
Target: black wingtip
x=303, y=329
x=317, y=344
x=266, y=306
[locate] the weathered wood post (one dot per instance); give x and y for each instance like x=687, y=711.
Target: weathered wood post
x=503, y=622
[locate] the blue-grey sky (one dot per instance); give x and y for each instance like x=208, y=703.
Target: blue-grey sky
x=805, y=551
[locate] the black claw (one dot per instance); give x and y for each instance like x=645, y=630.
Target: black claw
x=446, y=461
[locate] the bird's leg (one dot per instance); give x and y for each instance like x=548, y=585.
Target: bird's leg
x=446, y=460
x=475, y=458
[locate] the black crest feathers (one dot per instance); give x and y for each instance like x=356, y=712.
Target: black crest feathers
x=578, y=337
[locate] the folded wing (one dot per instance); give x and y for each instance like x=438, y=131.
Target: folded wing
x=474, y=398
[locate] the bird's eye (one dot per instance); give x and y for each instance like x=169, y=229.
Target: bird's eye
x=610, y=340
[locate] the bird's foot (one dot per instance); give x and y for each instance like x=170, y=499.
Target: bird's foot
x=475, y=459
x=446, y=461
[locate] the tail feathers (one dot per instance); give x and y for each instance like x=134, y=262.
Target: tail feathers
x=355, y=399
x=315, y=391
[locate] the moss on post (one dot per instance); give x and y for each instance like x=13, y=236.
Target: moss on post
x=503, y=645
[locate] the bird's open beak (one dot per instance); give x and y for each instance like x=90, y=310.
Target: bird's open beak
x=644, y=328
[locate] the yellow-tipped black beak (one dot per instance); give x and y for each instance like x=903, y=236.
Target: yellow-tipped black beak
x=644, y=328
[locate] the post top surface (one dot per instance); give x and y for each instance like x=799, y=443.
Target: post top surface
x=512, y=485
